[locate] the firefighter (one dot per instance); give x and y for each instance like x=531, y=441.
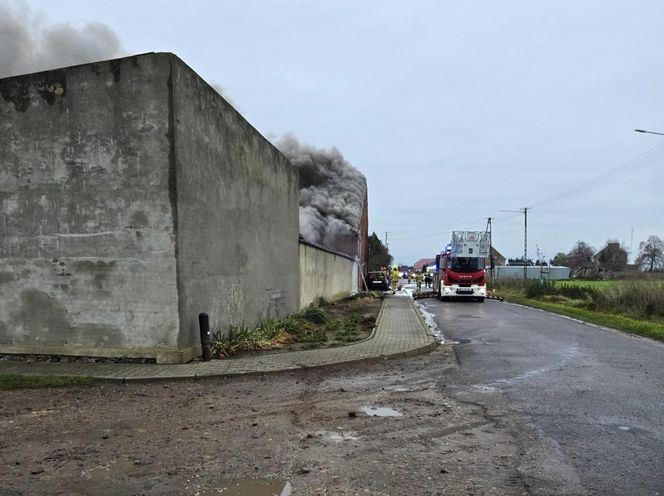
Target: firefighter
x=427, y=279
x=394, y=278
x=418, y=281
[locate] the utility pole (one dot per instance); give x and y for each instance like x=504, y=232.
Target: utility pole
x=491, y=262
x=525, y=243
x=525, y=238
x=387, y=248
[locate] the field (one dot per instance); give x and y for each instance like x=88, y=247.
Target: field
x=585, y=283
x=635, y=306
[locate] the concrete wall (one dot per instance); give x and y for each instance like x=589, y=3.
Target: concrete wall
x=324, y=273
x=134, y=197
x=237, y=214
x=87, y=260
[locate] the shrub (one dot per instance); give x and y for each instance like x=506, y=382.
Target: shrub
x=537, y=289
x=315, y=314
x=268, y=334
x=313, y=336
x=640, y=300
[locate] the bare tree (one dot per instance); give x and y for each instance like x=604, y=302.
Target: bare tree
x=581, y=255
x=651, y=254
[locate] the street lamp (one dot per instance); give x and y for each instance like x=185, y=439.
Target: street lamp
x=648, y=132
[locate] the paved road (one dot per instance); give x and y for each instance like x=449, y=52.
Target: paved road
x=593, y=398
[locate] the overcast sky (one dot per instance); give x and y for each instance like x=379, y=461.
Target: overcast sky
x=453, y=110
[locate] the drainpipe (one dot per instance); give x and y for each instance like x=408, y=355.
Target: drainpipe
x=206, y=338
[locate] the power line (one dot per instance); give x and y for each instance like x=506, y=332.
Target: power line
x=633, y=165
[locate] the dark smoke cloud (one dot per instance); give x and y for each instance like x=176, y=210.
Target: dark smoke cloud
x=29, y=44
x=332, y=192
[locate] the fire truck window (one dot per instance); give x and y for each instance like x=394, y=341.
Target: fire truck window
x=464, y=264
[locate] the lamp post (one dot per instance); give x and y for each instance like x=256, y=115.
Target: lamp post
x=648, y=132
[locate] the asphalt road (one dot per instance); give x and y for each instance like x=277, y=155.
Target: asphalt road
x=591, y=399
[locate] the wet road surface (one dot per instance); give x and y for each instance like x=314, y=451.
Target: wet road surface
x=591, y=399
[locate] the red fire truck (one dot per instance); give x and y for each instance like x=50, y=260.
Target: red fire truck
x=461, y=268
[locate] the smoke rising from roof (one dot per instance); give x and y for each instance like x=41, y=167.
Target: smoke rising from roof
x=332, y=192
x=28, y=43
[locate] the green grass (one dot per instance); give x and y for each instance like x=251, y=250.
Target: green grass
x=12, y=381
x=647, y=328
x=584, y=283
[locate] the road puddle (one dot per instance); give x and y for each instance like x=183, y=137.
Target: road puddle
x=381, y=411
x=250, y=487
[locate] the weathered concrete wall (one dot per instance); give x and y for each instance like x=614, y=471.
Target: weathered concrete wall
x=133, y=197
x=87, y=259
x=237, y=211
x=326, y=274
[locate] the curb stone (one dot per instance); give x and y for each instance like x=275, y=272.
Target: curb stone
x=409, y=337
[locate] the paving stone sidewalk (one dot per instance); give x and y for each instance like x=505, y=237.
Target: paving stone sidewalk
x=399, y=331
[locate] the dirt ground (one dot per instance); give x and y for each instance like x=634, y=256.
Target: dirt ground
x=299, y=433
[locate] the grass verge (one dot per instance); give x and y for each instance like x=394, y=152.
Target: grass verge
x=13, y=381
x=650, y=329
x=321, y=324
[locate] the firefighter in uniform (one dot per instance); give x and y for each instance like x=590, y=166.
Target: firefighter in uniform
x=418, y=280
x=394, y=278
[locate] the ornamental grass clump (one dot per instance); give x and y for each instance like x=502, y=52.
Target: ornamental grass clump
x=268, y=334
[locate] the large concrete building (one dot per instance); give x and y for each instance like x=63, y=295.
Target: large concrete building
x=132, y=198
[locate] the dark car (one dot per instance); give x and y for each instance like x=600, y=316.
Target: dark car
x=378, y=280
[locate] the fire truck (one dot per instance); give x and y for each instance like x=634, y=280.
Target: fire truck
x=461, y=268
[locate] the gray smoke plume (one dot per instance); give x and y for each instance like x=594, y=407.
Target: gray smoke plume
x=332, y=192
x=29, y=44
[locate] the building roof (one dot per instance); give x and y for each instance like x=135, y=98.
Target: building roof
x=422, y=262
x=497, y=256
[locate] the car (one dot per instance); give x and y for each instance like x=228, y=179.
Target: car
x=378, y=280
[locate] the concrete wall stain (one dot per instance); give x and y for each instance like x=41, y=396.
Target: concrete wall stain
x=40, y=315
x=138, y=220
x=6, y=277
x=15, y=92
x=116, y=69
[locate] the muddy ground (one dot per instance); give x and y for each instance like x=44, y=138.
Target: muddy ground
x=300, y=433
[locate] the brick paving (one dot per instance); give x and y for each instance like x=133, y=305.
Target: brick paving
x=399, y=331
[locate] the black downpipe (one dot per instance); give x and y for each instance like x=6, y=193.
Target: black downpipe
x=206, y=338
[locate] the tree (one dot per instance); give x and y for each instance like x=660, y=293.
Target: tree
x=519, y=262
x=612, y=256
x=651, y=254
x=378, y=256
x=581, y=255
x=560, y=259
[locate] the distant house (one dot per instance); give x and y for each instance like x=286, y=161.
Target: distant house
x=423, y=262
x=612, y=258
x=498, y=258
